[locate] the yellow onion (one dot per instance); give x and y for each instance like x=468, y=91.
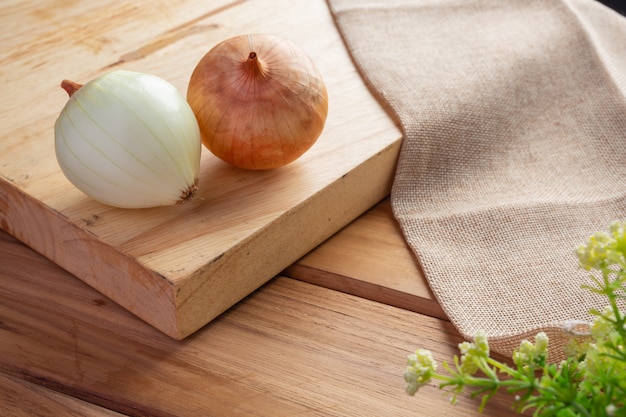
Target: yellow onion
x=260, y=101
x=129, y=140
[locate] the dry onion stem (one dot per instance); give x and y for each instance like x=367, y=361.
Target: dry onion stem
x=260, y=101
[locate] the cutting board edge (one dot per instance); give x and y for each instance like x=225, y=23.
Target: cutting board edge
x=20, y=214
x=174, y=308
x=365, y=185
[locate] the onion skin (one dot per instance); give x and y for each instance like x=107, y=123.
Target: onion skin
x=260, y=101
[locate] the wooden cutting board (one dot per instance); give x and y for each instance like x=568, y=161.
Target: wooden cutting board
x=179, y=267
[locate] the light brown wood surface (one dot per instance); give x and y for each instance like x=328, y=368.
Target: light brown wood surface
x=326, y=337
x=20, y=398
x=371, y=259
x=289, y=349
x=179, y=267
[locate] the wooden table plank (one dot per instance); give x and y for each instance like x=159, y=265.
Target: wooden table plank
x=371, y=259
x=289, y=349
x=20, y=398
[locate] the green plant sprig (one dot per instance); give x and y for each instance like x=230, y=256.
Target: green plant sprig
x=591, y=382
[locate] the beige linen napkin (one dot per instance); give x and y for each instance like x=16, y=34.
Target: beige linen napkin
x=514, y=152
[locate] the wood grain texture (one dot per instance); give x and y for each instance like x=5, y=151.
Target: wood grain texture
x=20, y=398
x=289, y=349
x=179, y=267
x=371, y=259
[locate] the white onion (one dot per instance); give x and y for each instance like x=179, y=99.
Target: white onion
x=129, y=140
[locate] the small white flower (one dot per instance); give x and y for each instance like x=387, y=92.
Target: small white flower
x=610, y=410
x=541, y=343
x=420, y=369
x=473, y=352
x=532, y=355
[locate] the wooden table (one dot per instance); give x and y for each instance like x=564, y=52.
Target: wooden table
x=326, y=337
x=303, y=344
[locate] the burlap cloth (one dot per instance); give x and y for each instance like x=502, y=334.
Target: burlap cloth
x=514, y=149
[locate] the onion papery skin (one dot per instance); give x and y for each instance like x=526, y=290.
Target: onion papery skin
x=129, y=140
x=260, y=101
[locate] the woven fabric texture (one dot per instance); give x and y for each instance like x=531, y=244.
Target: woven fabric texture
x=514, y=148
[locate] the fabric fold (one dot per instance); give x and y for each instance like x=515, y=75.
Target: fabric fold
x=514, y=150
